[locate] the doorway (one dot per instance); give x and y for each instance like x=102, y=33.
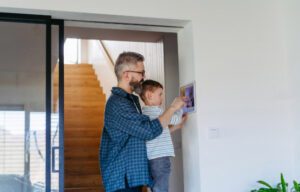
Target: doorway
x=45, y=79
x=166, y=71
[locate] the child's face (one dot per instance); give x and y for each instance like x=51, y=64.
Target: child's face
x=156, y=97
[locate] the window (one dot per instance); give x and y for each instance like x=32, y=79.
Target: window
x=12, y=139
x=13, y=145
x=37, y=146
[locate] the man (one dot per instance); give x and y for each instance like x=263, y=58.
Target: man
x=123, y=156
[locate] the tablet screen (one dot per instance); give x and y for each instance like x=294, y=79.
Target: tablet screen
x=189, y=92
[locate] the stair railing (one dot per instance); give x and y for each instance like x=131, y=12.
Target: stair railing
x=107, y=54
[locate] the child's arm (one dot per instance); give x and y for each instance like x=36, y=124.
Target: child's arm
x=165, y=118
x=176, y=117
x=173, y=128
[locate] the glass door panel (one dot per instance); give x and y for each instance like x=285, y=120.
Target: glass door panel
x=31, y=103
x=22, y=100
x=55, y=112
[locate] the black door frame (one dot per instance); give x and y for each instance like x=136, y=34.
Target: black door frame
x=48, y=21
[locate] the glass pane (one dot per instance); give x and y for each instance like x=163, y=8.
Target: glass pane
x=12, y=131
x=22, y=83
x=55, y=112
x=37, y=149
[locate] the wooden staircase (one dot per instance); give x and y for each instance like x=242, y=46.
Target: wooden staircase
x=83, y=122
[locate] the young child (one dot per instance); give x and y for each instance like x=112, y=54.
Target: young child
x=160, y=149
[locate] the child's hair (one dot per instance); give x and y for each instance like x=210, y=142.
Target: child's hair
x=149, y=85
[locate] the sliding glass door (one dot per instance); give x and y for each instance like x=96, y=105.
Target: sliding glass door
x=31, y=103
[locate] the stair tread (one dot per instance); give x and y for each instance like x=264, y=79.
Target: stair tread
x=83, y=120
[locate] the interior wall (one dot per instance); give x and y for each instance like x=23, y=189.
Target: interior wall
x=152, y=52
x=84, y=57
x=243, y=95
x=104, y=70
x=290, y=11
x=190, y=140
x=22, y=65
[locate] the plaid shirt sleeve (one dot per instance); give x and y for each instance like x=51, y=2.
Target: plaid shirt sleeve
x=128, y=120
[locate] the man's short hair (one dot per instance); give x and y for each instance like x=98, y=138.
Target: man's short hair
x=126, y=59
x=149, y=85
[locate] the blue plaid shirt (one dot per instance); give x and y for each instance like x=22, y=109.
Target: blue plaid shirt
x=123, y=145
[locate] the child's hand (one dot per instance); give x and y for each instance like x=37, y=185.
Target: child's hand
x=173, y=128
x=178, y=103
x=184, y=118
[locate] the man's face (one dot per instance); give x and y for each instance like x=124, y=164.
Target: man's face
x=137, y=74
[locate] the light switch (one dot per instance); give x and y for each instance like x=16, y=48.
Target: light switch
x=213, y=133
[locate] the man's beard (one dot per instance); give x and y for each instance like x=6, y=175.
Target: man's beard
x=136, y=86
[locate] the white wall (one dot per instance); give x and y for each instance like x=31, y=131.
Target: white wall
x=153, y=53
x=23, y=88
x=237, y=53
x=84, y=46
x=290, y=11
x=243, y=87
x=190, y=140
x=104, y=70
x=22, y=65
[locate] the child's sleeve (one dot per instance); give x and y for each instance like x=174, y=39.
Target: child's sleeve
x=176, y=118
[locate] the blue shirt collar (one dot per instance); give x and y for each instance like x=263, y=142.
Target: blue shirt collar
x=121, y=92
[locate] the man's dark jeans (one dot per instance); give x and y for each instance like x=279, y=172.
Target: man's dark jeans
x=130, y=189
x=160, y=171
x=133, y=189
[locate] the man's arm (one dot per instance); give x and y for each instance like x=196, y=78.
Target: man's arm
x=122, y=117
